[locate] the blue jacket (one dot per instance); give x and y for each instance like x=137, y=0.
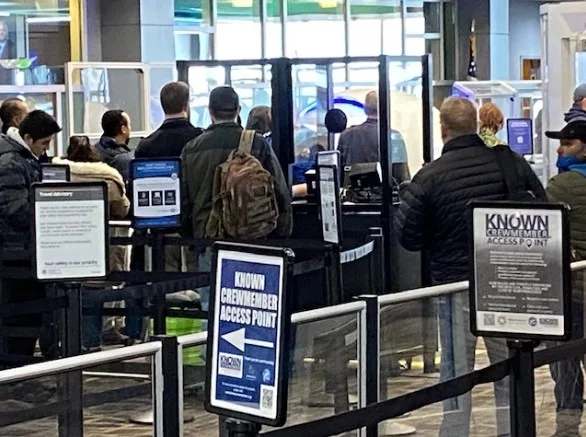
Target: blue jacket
x=575, y=113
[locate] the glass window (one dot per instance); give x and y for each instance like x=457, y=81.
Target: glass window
x=192, y=13
x=238, y=33
x=392, y=35
x=34, y=42
x=274, y=40
x=415, y=46
x=315, y=29
x=366, y=24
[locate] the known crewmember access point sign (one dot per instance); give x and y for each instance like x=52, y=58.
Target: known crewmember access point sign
x=247, y=351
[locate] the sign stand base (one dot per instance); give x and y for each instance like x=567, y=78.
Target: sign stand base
x=241, y=428
x=148, y=418
x=522, y=388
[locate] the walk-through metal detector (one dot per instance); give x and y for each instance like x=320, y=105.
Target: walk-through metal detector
x=300, y=91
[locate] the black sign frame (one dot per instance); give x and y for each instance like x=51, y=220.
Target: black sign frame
x=135, y=222
x=285, y=328
x=531, y=137
x=565, y=266
x=59, y=166
x=70, y=186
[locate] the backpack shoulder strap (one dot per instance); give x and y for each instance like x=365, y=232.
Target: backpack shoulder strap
x=506, y=162
x=246, y=140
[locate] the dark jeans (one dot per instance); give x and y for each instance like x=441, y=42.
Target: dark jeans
x=91, y=325
x=568, y=375
x=22, y=290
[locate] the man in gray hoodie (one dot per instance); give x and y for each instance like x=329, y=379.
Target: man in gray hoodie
x=578, y=110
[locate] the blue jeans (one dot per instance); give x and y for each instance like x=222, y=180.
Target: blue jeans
x=568, y=375
x=458, y=347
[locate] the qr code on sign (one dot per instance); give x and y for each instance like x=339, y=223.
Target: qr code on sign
x=267, y=398
x=489, y=320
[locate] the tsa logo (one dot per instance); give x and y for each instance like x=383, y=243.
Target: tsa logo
x=532, y=321
x=230, y=365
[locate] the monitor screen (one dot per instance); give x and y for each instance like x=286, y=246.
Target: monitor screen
x=520, y=135
x=55, y=173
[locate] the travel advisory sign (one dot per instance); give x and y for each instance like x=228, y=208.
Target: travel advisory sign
x=519, y=285
x=248, y=347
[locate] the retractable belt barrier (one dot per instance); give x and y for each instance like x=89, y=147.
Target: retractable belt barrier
x=389, y=409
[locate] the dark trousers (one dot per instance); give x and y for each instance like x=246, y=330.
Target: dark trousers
x=22, y=290
x=568, y=375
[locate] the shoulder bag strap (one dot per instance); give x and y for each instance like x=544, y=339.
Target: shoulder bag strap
x=506, y=162
x=246, y=140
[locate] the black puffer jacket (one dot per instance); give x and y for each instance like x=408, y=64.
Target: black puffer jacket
x=19, y=169
x=433, y=215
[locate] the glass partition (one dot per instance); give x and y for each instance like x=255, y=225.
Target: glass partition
x=158, y=76
x=47, y=98
x=253, y=85
x=324, y=374
x=94, y=88
x=202, y=79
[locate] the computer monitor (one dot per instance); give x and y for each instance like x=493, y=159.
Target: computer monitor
x=520, y=135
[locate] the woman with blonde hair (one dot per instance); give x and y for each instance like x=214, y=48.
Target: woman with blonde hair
x=492, y=121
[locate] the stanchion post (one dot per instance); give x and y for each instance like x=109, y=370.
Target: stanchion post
x=71, y=383
x=522, y=388
x=369, y=334
x=173, y=419
x=158, y=257
x=242, y=428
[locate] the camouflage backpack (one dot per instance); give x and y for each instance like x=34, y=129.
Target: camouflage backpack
x=244, y=205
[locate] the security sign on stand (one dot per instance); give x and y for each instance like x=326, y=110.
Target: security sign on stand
x=156, y=193
x=329, y=198
x=520, y=270
x=70, y=231
x=248, y=341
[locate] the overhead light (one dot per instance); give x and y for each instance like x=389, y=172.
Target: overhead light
x=328, y=4
x=4, y=14
x=242, y=3
x=45, y=20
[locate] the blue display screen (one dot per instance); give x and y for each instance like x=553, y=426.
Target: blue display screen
x=520, y=135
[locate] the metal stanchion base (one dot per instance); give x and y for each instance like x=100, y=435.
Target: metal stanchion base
x=392, y=429
x=148, y=418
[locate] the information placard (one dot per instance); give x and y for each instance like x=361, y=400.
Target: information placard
x=248, y=349
x=70, y=223
x=520, y=270
x=330, y=210
x=520, y=135
x=55, y=173
x=156, y=193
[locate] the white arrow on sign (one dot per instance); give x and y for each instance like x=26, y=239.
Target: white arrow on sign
x=238, y=340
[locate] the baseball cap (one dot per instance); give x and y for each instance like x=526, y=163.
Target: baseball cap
x=224, y=99
x=580, y=93
x=576, y=130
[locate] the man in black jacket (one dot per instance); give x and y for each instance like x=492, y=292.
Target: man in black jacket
x=19, y=169
x=433, y=217
x=176, y=131
x=113, y=145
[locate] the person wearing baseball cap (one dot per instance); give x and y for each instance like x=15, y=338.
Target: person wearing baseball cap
x=578, y=109
x=569, y=187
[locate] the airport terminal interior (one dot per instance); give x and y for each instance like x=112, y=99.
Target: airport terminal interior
x=149, y=367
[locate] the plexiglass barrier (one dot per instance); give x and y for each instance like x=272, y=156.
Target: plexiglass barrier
x=48, y=98
x=94, y=88
x=325, y=371
x=84, y=395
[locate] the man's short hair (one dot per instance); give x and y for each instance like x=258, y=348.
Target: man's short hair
x=9, y=110
x=38, y=124
x=459, y=117
x=371, y=104
x=112, y=122
x=174, y=97
x=224, y=103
